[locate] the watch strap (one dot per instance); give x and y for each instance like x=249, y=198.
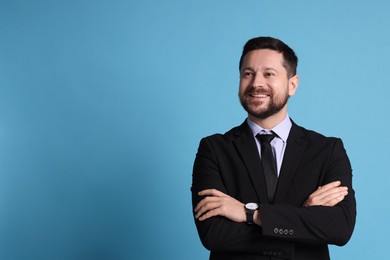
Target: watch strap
x=249, y=216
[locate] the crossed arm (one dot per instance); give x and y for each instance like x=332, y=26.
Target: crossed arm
x=217, y=203
x=219, y=209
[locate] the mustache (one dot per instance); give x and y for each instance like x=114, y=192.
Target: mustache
x=258, y=91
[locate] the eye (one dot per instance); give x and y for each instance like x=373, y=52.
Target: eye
x=269, y=74
x=247, y=74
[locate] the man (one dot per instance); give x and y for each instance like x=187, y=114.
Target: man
x=285, y=198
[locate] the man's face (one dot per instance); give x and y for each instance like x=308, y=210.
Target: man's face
x=264, y=84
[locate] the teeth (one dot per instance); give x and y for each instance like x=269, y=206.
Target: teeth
x=259, y=95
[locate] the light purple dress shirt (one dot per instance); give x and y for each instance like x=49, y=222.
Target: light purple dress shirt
x=279, y=143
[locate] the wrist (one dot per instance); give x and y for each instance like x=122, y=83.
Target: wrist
x=256, y=218
x=250, y=209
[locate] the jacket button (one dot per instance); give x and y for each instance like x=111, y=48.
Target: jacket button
x=276, y=230
x=265, y=252
x=281, y=231
x=291, y=232
x=286, y=232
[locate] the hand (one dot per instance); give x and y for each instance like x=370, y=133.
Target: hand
x=217, y=203
x=327, y=195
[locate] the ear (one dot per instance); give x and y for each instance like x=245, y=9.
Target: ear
x=293, y=83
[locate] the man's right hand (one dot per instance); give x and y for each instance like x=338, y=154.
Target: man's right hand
x=327, y=195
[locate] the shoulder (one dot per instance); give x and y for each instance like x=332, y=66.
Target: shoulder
x=229, y=135
x=298, y=130
x=314, y=138
x=225, y=143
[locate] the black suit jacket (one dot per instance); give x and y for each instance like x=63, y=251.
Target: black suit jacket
x=230, y=163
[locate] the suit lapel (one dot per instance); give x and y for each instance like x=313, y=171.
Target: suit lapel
x=246, y=147
x=294, y=150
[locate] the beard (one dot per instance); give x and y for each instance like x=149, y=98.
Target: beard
x=275, y=104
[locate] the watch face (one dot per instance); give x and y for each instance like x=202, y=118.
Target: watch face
x=252, y=206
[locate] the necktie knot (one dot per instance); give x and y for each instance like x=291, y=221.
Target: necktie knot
x=267, y=138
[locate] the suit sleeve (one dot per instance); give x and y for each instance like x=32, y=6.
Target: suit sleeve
x=283, y=225
x=317, y=224
x=222, y=234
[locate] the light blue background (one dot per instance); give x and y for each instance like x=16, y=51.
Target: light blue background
x=103, y=103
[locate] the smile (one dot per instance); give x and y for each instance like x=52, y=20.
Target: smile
x=259, y=95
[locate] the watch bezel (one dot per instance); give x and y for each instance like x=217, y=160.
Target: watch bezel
x=252, y=206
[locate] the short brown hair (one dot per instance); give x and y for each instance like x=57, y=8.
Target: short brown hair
x=290, y=59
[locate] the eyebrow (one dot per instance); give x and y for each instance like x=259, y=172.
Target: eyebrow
x=247, y=68
x=269, y=68
x=263, y=68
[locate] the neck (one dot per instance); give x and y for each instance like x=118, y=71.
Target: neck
x=271, y=121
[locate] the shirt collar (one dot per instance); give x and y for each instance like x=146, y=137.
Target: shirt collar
x=282, y=129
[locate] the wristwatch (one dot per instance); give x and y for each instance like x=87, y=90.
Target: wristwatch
x=250, y=209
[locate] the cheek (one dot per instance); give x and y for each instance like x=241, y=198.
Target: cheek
x=241, y=88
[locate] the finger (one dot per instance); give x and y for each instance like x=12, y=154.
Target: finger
x=334, y=201
x=209, y=214
x=211, y=192
x=332, y=192
x=334, y=198
x=322, y=197
x=209, y=203
x=322, y=189
x=327, y=189
x=208, y=207
x=333, y=184
x=327, y=198
x=329, y=186
x=205, y=201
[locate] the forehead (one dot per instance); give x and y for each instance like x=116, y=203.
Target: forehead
x=263, y=58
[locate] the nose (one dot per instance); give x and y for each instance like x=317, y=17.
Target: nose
x=258, y=80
